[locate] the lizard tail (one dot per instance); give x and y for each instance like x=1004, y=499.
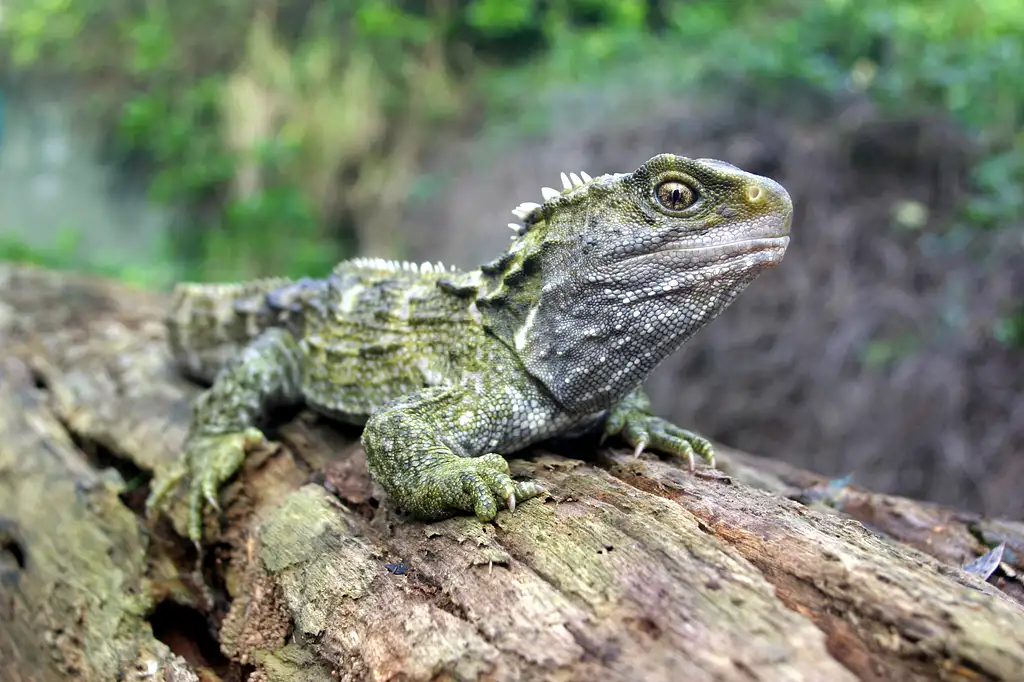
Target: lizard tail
x=209, y=324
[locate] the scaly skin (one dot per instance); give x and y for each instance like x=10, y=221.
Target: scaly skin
x=448, y=370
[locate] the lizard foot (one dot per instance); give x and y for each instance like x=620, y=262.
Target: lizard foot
x=643, y=431
x=209, y=462
x=481, y=485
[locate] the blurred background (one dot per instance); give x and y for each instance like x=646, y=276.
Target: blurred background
x=157, y=140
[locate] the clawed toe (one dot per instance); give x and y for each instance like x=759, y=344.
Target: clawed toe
x=644, y=431
x=208, y=462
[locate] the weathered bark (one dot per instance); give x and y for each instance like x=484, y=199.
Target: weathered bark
x=632, y=569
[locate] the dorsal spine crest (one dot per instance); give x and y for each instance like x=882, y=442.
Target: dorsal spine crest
x=388, y=265
x=533, y=214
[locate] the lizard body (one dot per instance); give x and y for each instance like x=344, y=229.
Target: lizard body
x=448, y=369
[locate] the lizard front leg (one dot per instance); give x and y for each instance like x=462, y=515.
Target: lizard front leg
x=223, y=429
x=430, y=452
x=632, y=420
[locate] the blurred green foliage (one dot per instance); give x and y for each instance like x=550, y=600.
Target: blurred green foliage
x=65, y=253
x=1009, y=329
x=292, y=131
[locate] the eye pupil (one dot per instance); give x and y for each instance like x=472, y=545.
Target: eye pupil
x=675, y=196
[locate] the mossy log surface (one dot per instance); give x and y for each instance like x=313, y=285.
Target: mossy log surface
x=631, y=569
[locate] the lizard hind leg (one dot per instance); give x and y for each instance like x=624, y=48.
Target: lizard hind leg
x=266, y=374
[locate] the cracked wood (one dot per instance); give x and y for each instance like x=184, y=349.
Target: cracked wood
x=630, y=569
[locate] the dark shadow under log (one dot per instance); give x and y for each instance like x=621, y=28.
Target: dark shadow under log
x=631, y=569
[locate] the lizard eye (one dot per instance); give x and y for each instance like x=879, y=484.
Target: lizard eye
x=674, y=196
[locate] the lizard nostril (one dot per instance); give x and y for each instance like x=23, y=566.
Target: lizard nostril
x=754, y=194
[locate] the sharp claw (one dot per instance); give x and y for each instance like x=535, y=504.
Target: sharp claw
x=510, y=502
x=212, y=501
x=689, y=460
x=640, y=448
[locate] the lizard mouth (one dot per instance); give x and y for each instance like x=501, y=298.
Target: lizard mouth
x=772, y=247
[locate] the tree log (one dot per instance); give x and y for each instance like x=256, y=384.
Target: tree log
x=630, y=569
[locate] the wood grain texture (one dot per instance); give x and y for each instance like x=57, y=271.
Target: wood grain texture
x=631, y=569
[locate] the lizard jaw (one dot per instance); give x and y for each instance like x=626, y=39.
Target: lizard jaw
x=770, y=248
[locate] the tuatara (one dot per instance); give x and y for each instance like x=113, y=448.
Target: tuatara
x=450, y=370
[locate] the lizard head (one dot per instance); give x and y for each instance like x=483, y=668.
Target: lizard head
x=610, y=275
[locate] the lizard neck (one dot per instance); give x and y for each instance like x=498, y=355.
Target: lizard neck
x=510, y=286
x=590, y=335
